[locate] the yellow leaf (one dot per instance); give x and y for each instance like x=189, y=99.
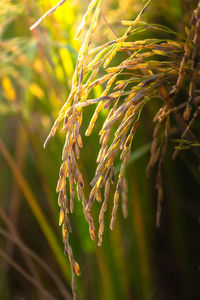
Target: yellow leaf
x=8, y=88
x=85, y=17
x=36, y=90
x=37, y=65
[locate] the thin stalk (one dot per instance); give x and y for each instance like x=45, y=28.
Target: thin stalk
x=26, y=275
x=37, y=212
x=16, y=239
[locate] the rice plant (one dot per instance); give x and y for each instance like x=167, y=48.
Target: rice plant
x=153, y=68
x=132, y=81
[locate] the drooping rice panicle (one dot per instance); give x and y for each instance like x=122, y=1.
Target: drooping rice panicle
x=195, y=115
x=187, y=51
x=194, y=66
x=159, y=184
x=85, y=17
x=155, y=149
x=124, y=198
x=84, y=48
x=100, y=105
x=127, y=87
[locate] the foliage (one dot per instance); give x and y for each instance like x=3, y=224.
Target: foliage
x=146, y=67
x=137, y=80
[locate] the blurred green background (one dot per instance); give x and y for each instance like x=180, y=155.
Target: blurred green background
x=136, y=260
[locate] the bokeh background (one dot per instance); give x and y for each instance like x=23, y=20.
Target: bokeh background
x=136, y=260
